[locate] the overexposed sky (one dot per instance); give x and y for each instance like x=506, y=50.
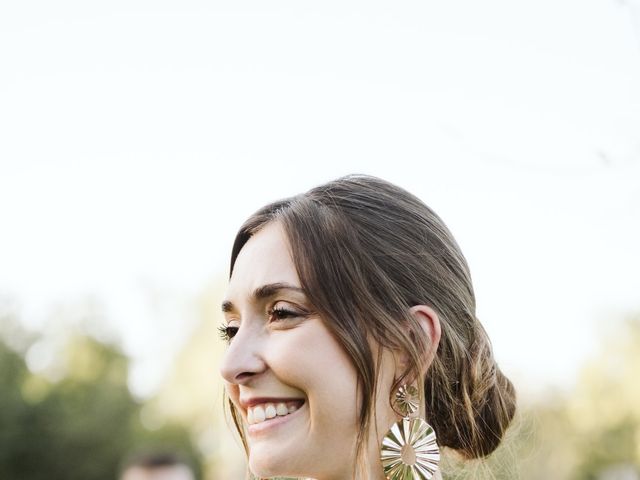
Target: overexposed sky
x=136, y=136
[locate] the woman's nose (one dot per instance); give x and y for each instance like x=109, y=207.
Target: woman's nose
x=243, y=359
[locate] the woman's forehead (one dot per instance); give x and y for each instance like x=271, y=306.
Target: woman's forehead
x=265, y=259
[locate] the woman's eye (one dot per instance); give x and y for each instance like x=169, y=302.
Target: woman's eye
x=275, y=314
x=227, y=332
x=279, y=313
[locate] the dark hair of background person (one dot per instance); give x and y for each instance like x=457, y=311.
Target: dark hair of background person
x=153, y=460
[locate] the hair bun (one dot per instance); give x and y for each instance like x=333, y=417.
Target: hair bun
x=482, y=404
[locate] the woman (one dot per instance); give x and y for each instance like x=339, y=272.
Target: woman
x=354, y=350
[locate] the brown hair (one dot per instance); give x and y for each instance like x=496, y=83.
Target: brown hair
x=366, y=251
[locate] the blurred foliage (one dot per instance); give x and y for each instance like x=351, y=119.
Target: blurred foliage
x=80, y=427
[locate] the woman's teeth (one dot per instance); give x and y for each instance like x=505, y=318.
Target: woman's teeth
x=265, y=411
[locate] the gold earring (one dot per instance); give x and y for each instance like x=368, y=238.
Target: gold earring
x=409, y=450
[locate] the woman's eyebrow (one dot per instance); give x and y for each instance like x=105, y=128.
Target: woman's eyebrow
x=265, y=291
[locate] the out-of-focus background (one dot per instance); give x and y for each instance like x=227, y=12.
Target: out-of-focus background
x=136, y=136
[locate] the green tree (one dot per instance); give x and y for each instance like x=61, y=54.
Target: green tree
x=79, y=428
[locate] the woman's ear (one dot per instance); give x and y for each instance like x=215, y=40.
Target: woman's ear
x=430, y=323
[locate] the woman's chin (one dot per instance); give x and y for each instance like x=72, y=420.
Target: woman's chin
x=264, y=465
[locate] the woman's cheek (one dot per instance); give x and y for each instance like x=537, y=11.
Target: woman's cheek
x=233, y=392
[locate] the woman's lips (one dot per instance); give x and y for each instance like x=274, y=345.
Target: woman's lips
x=248, y=402
x=264, y=411
x=268, y=425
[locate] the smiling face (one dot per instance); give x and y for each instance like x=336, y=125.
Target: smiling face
x=282, y=362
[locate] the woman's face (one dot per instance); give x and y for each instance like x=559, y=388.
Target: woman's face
x=288, y=377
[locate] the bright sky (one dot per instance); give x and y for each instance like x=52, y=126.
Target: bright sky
x=136, y=136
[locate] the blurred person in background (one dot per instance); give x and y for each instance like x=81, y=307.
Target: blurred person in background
x=157, y=466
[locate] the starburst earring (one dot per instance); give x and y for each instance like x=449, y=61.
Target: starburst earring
x=409, y=450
